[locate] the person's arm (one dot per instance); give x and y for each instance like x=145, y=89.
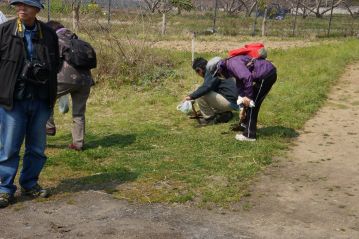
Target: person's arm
x=210, y=83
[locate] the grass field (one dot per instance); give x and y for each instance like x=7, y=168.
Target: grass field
x=139, y=148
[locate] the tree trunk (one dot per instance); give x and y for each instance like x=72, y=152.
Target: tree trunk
x=264, y=22
x=250, y=10
x=255, y=20
x=330, y=19
x=76, y=16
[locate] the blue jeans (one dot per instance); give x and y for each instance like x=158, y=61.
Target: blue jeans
x=27, y=120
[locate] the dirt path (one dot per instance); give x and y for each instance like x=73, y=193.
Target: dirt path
x=314, y=193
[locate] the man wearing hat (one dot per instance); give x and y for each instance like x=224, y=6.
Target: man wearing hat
x=28, y=69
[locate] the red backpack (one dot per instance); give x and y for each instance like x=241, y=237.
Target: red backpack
x=254, y=50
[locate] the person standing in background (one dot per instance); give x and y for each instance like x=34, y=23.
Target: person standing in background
x=71, y=80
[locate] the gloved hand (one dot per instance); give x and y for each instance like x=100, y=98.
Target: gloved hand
x=245, y=101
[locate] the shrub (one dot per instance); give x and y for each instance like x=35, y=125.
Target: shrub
x=123, y=60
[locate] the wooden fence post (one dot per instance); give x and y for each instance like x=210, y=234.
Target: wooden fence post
x=215, y=16
x=109, y=12
x=295, y=18
x=255, y=20
x=163, y=24
x=193, y=44
x=264, y=22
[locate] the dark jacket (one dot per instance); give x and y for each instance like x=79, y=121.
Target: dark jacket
x=69, y=74
x=12, y=57
x=245, y=76
x=226, y=87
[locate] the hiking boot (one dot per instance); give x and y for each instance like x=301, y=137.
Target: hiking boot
x=241, y=137
x=5, y=199
x=75, y=147
x=51, y=131
x=35, y=192
x=223, y=117
x=205, y=122
x=196, y=115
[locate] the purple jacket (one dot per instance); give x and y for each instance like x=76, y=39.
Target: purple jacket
x=245, y=76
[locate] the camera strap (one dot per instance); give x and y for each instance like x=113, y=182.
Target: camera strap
x=21, y=33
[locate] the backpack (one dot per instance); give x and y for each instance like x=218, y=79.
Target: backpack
x=254, y=50
x=81, y=54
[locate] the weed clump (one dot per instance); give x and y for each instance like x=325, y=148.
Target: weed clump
x=125, y=60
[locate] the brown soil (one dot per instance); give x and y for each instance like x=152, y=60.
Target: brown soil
x=312, y=193
x=217, y=47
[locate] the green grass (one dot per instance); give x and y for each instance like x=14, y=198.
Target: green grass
x=141, y=149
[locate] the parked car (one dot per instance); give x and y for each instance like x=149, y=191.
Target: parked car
x=274, y=11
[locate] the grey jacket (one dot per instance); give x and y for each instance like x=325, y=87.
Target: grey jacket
x=69, y=74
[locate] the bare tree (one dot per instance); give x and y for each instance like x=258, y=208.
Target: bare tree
x=75, y=6
x=152, y=5
x=166, y=6
x=250, y=8
x=347, y=4
x=318, y=7
x=233, y=6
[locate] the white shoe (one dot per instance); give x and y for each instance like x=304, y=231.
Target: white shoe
x=241, y=137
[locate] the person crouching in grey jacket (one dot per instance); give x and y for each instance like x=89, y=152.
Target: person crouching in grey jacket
x=74, y=81
x=216, y=97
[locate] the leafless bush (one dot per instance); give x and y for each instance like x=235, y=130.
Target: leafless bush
x=123, y=59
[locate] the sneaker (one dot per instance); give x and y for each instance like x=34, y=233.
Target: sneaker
x=51, y=131
x=5, y=199
x=75, y=147
x=241, y=137
x=223, y=117
x=35, y=192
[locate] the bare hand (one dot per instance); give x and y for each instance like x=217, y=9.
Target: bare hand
x=187, y=97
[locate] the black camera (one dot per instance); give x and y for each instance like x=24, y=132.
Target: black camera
x=35, y=72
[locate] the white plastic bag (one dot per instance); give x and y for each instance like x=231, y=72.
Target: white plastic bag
x=64, y=104
x=185, y=107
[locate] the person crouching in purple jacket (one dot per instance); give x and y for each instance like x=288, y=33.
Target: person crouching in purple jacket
x=254, y=79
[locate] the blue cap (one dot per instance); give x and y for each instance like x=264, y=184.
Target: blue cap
x=33, y=3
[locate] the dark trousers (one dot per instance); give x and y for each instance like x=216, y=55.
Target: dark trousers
x=260, y=91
